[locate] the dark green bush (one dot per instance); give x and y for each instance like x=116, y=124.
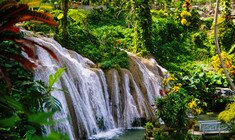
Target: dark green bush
x=100, y=16
x=208, y=22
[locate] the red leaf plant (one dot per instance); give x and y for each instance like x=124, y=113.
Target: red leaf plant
x=11, y=13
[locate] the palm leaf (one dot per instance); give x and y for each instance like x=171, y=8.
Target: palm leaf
x=46, y=6
x=31, y=3
x=40, y=16
x=31, y=42
x=27, y=47
x=13, y=12
x=9, y=28
x=25, y=62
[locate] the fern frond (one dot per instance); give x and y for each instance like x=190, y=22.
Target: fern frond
x=7, y=4
x=26, y=47
x=44, y=17
x=25, y=62
x=40, y=118
x=50, y=52
x=14, y=12
x=9, y=122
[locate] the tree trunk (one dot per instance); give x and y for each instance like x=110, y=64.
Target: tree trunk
x=230, y=81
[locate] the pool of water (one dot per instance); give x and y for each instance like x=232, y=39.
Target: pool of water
x=121, y=134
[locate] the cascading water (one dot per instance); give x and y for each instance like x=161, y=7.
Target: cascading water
x=98, y=101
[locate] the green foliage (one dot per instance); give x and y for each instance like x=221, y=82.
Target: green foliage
x=103, y=45
x=52, y=136
x=174, y=116
x=53, y=78
x=188, y=136
x=149, y=126
x=142, y=26
x=227, y=35
x=117, y=36
x=168, y=40
x=201, y=85
x=100, y=16
x=22, y=112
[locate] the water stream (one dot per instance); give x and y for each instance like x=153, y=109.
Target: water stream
x=99, y=102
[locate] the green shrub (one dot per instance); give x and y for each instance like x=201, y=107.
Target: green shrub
x=201, y=85
x=149, y=126
x=173, y=116
x=100, y=16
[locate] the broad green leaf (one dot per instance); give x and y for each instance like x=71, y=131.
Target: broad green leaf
x=53, y=78
x=51, y=103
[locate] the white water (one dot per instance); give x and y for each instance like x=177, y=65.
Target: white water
x=98, y=102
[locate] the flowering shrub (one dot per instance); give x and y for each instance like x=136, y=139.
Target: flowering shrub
x=215, y=62
x=185, y=15
x=194, y=108
x=228, y=115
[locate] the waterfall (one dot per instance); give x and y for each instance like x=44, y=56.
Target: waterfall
x=98, y=101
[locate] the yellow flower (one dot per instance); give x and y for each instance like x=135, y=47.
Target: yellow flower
x=185, y=14
x=199, y=111
x=190, y=105
x=176, y=88
x=194, y=103
x=164, y=82
x=183, y=21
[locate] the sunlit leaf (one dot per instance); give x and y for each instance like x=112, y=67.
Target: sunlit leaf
x=60, y=16
x=53, y=78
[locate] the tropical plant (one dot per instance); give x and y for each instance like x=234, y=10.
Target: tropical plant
x=23, y=107
x=23, y=100
x=11, y=13
x=174, y=117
